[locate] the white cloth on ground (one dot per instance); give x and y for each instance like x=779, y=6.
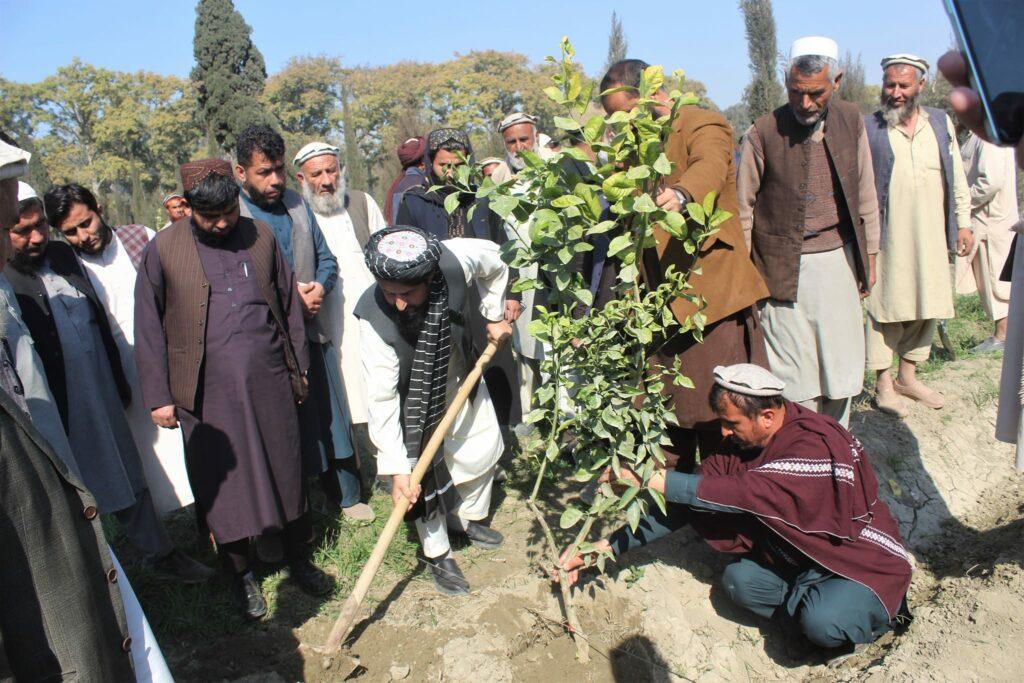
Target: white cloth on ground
x=336, y=315
x=150, y=666
x=162, y=451
x=816, y=344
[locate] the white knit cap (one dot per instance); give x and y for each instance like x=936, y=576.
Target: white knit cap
x=816, y=46
x=315, y=149
x=13, y=161
x=25, y=191
x=908, y=59
x=748, y=379
x=515, y=118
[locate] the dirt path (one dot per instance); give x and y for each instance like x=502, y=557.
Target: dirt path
x=660, y=615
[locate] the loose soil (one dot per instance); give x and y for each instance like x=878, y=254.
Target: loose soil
x=660, y=615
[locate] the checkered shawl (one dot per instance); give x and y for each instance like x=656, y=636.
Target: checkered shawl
x=134, y=239
x=397, y=254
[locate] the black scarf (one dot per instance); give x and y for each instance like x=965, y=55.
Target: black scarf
x=426, y=401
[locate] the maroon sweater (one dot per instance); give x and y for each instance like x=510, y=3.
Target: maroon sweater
x=813, y=486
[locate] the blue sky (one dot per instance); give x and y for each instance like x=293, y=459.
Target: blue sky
x=703, y=37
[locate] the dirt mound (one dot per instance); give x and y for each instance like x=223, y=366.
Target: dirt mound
x=659, y=615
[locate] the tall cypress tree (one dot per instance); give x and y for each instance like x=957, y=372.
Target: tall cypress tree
x=229, y=73
x=618, y=46
x=764, y=93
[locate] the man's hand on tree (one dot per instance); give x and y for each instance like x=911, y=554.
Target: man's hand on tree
x=401, y=490
x=628, y=477
x=498, y=331
x=573, y=565
x=166, y=417
x=667, y=199
x=312, y=295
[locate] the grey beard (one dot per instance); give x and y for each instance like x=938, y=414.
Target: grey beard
x=895, y=116
x=330, y=204
x=515, y=162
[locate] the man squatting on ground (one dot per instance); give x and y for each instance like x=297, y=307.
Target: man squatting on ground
x=794, y=495
x=417, y=349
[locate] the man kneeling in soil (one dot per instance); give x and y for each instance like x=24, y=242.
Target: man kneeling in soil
x=798, y=500
x=416, y=349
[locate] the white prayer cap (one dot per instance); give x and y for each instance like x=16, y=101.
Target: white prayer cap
x=814, y=46
x=25, y=191
x=748, y=379
x=488, y=161
x=906, y=58
x=13, y=161
x=314, y=149
x=515, y=118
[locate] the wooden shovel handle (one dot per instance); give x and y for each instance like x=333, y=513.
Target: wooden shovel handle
x=346, y=619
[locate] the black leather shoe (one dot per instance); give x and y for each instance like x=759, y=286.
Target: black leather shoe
x=448, y=578
x=178, y=566
x=250, y=597
x=310, y=578
x=484, y=536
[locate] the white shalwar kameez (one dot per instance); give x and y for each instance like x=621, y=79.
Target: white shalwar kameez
x=473, y=445
x=336, y=315
x=112, y=275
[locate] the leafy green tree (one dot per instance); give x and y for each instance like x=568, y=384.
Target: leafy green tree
x=605, y=395
x=305, y=98
x=229, y=73
x=618, y=46
x=738, y=117
x=764, y=92
x=854, y=88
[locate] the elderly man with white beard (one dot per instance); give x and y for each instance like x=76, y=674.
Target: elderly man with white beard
x=925, y=209
x=519, y=133
x=347, y=218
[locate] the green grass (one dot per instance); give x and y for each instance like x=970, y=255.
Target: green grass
x=969, y=328
x=194, y=614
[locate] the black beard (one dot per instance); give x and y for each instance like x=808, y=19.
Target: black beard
x=410, y=322
x=261, y=201
x=27, y=263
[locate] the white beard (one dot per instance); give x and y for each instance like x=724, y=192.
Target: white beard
x=515, y=162
x=327, y=204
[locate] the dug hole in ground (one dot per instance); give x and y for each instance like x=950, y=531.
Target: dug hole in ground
x=661, y=615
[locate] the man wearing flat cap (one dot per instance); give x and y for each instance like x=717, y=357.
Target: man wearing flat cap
x=221, y=350
x=925, y=215
x=807, y=204
x=793, y=494
x=346, y=218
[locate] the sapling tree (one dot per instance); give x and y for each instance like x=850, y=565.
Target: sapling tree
x=602, y=395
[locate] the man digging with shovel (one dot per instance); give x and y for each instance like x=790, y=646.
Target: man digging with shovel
x=416, y=350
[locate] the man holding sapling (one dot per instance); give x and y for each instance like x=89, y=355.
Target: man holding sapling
x=700, y=148
x=794, y=495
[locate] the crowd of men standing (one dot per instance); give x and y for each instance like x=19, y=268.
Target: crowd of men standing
x=266, y=338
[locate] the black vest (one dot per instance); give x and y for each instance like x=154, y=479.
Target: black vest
x=375, y=310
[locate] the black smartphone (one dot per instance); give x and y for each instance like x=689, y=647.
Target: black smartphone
x=990, y=36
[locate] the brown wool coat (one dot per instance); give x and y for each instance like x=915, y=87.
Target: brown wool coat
x=701, y=147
